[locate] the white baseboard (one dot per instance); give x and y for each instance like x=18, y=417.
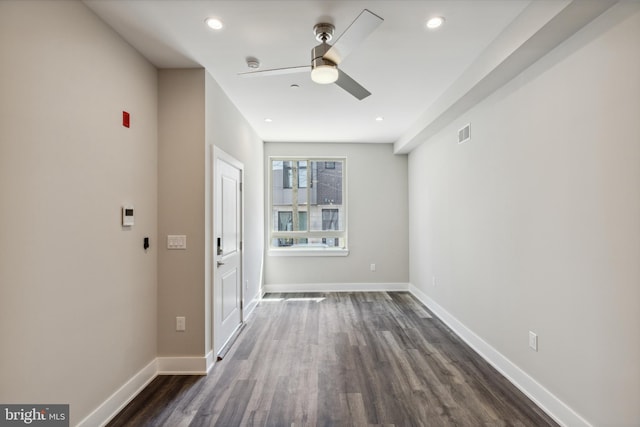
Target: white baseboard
x=248, y=310
x=185, y=365
x=336, y=287
x=121, y=398
x=210, y=360
x=158, y=366
x=542, y=397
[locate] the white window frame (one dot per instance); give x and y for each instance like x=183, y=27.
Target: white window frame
x=306, y=251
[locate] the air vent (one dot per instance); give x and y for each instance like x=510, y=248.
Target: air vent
x=464, y=134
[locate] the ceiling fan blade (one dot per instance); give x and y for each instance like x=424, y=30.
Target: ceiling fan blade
x=276, y=71
x=359, y=30
x=351, y=86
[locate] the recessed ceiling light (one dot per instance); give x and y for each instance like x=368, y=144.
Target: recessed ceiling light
x=295, y=86
x=435, y=22
x=379, y=119
x=214, y=23
x=268, y=120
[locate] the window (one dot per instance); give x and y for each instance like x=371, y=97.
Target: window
x=307, y=206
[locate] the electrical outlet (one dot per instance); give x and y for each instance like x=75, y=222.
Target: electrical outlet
x=181, y=323
x=372, y=267
x=533, y=341
x=433, y=280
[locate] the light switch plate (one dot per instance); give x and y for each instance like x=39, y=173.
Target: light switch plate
x=176, y=241
x=533, y=341
x=181, y=324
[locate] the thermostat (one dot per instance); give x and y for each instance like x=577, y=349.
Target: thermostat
x=127, y=216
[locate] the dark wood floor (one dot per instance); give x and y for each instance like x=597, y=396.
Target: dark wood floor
x=340, y=359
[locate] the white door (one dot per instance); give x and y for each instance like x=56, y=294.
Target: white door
x=227, y=262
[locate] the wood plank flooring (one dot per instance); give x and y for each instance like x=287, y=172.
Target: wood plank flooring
x=339, y=359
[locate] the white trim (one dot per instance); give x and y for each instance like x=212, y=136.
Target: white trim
x=210, y=360
x=221, y=154
x=121, y=397
x=308, y=252
x=115, y=403
x=336, y=287
x=248, y=310
x=184, y=365
x=547, y=401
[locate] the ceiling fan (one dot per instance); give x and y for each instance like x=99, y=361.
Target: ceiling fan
x=325, y=58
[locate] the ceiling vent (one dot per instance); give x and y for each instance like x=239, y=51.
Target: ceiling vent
x=464, y=134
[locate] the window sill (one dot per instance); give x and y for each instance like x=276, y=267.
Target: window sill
x=308, y=252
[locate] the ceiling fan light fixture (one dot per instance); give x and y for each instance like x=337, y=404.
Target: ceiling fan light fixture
x=324, y=74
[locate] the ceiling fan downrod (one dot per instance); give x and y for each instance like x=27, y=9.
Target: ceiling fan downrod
x=323, y=32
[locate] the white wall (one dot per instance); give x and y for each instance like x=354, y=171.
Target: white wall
x=228, y=130
x=77, y=291
x=377, y=220
x=534, y=225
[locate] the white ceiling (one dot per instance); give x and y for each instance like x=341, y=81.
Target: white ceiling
x=408, y=68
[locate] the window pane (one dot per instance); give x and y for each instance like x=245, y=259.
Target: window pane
x=285, y=221
x=302, y=220
x=302, y=174
x=287, y=197
x=278, y=182
x=287, y=175
x=332, y=242
x=330, y=219
x=284, y=224
x=292, y=169
x=324, y=242
x=329, y=183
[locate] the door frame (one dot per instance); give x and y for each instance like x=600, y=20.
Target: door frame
x=216, y=154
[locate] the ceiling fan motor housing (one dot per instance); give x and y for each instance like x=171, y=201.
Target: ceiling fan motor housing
x=323, y=71
x=317, y=54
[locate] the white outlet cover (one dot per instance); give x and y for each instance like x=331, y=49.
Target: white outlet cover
x=533, y=341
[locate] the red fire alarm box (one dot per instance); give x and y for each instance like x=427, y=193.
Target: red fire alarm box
x=125, y=119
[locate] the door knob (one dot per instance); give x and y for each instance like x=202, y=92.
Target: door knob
x=219, y=263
